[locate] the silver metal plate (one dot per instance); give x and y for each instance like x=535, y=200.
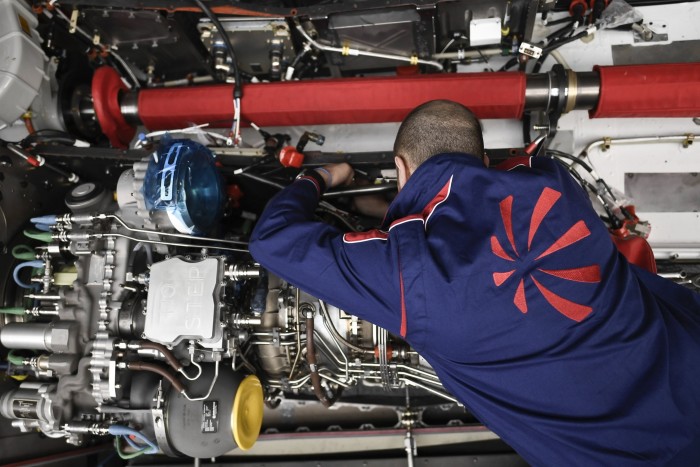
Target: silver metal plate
x=183, y=301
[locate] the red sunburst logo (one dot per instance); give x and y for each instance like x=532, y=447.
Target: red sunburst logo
x=577, y=232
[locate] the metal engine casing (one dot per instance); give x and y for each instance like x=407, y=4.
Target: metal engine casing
x=184, y=301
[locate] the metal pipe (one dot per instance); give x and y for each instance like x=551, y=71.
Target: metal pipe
x=431, y=390
x=334, y=331
x=329, y=352
x=313, y=366
x=363, y=190
x=183, y=245
x=298, y=333
x=35, y=336
x=356, y=52
x=460, y=55
x=673, y=275
x=643, y=139
x=168, y=234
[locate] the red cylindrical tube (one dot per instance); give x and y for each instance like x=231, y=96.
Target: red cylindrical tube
x=332, y=101
x=668, y=90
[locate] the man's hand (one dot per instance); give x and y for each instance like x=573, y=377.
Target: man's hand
x=337, y=174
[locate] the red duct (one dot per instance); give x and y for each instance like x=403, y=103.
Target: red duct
x=669, y=90
x=349, y=100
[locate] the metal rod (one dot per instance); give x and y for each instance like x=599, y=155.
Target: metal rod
x=167, y=234
x=364, y=190
x=184, y=245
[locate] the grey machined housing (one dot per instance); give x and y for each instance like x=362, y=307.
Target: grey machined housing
x=183, y=301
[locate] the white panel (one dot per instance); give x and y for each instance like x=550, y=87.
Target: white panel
x=677, y=231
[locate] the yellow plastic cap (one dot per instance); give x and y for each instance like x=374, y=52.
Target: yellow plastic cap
x=247, y=415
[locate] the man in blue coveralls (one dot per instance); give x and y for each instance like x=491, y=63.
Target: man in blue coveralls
x=508, y=284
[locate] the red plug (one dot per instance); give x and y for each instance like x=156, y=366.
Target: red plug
x=290, y=157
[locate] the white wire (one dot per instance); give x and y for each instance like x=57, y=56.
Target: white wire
x=235, y=136
x=196, y=129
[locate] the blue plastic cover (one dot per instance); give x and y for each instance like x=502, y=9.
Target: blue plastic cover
x=183, y=181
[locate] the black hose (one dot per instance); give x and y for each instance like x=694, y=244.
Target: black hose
x=566, y=19
x=237, y=88
x=169, y=357
x=140, y=366
x=556, y=45
x=575, y=159
x=559, y=32
x=509, y=64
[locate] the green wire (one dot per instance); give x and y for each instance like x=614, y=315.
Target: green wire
x=12, y=311
x=14, y=359
x=24, y=253
x=41, y=236
x=124, y=455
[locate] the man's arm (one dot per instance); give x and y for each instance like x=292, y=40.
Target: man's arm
x=360, y=277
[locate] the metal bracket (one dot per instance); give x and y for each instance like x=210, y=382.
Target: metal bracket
x=158, y=417
x=688, y=141
x=643, y=33
x=74, y=21
x=607, y=141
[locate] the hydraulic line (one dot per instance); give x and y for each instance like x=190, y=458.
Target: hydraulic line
x=167, y=234
x=334, y=331
x=183, y=245
x=313, y=366
x=366, y=53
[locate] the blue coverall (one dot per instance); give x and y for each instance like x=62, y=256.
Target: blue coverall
x=508, y=284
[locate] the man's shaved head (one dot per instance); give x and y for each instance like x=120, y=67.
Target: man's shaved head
x=438, y=127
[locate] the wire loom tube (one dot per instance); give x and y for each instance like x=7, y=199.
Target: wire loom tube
x=40, y=236
x=15, y=359
x=12, y=311
x=20, y=266
x=23, y=252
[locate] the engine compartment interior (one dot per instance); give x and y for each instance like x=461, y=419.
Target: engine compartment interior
x=142, y=139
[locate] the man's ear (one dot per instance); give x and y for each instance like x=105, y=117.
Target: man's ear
x=402, y=171
x=487, y=161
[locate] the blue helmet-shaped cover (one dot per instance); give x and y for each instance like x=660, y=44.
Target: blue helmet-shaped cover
x=183, y=181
